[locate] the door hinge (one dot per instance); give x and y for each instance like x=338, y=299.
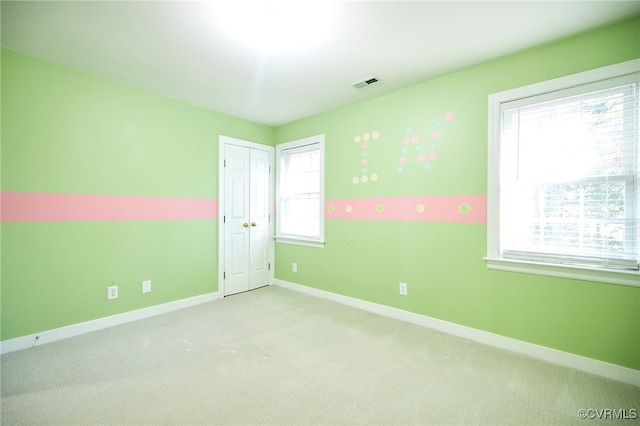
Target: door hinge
x=224, y=275
x=225, y=163
x=269, y=266
x=224, y=219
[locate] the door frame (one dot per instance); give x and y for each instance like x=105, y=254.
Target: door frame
x=223, y=141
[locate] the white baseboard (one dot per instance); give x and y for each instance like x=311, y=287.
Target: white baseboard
x=37, y=339
x=577, y=362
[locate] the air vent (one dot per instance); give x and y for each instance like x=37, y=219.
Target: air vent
x=365, y=83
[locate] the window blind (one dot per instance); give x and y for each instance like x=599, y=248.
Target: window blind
x=300, y=192
x=569, y=177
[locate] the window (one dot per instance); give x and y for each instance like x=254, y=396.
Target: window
x=564, y=160
x=300, y=192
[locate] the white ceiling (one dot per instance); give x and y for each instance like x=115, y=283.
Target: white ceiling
x=178, y=49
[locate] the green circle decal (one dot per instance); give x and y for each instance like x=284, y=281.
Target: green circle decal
x=464, y=208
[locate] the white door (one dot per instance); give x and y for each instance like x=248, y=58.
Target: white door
x=246, y=218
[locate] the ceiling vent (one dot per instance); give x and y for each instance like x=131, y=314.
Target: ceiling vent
x=365, y=83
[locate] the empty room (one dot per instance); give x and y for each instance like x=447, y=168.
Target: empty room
x=320, y=212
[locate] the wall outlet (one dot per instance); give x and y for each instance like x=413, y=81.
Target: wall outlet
x=146, y=286
x=403, y=289
x=112, y=292
x=294, y=267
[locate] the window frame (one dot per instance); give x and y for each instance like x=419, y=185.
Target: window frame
x=291, y=238
x=494, y=259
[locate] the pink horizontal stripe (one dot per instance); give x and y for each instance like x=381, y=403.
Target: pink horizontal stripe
x=446, y=208
x=50, y=207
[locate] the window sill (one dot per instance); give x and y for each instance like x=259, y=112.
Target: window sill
x=629, y=278
x=300, y=242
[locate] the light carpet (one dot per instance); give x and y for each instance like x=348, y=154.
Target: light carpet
x=275, y=356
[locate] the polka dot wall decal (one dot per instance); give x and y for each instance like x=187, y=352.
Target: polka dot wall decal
x=427, y=166
x=412, y=136
x=464, y=208
x=380, y=208
x=365, y=163
x=348, y=208
x=374, y=177
x=330, y=209
x=420, y=208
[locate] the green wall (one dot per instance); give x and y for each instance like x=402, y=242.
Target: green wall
x=66, y=131
x=443, y=262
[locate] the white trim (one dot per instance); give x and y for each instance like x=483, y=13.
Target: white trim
x=300, y=242
x=588, y=365
x=544, y=88
x=48, y=336
x=630, y=278
x=294, y=239
x=222, y=142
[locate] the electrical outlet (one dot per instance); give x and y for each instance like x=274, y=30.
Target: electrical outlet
x=294, y=267
x=146, y=286
x=403, y=289
x=112, y=292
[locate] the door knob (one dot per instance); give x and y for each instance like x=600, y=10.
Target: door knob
x=253, y=224
x=245, y=225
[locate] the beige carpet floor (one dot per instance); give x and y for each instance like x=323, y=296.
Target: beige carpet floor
x=274, y=356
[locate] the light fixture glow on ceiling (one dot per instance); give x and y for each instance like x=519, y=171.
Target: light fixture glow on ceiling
x=275, y=26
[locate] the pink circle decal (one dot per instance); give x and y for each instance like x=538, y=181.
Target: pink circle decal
x=414, y=138
x=405, y=141
x=402, y=160
x=365, y=145
x=356, y=139
x=449, y=116
x=364, y=161
x=375, y=135
x=422, y=157
x=435, y=134
x=432, y=156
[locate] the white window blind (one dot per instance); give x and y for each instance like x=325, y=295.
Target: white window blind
x=300, y=191
x=569, y=166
